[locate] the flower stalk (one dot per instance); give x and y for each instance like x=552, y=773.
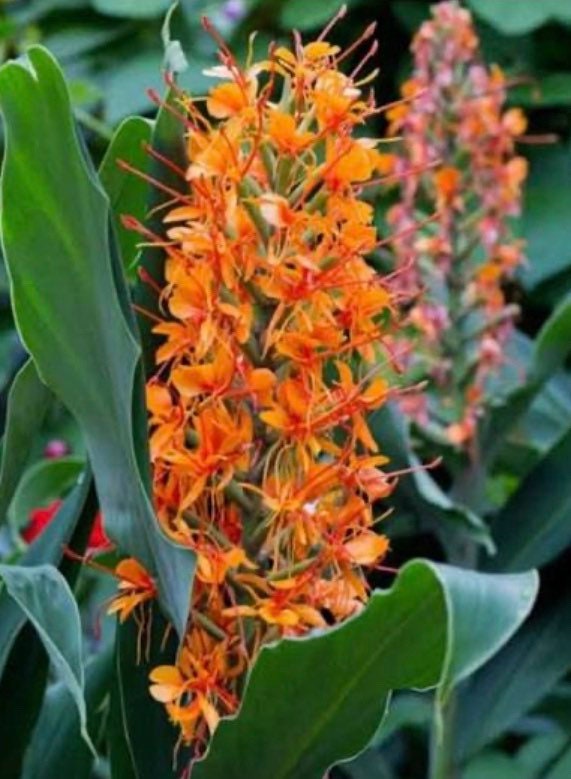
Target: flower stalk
x=453, y=114
x=275, y=347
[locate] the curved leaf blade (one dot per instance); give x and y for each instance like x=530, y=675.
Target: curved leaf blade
x=533, y=527
x=28, y=402
x=516, y=679
x=420, y=491
x=45, y=598
x=127, y=194
x=68, y=308
x=77, y=509
x=432, y=628
x=56, y=747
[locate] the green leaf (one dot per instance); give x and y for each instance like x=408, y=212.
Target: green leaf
x=71, y=308
x=533, y=527
x=45, y=598
x=134, y=9
x=494, y=765
x=44, y=482
x=418, y=491
x=517, y=18
x=517, y=678
x=562, y=768
x=28, y=402
x=141, y=724
x=434, y=626
x=126, y=82
x=550, y=350
x=128, y=194
x=21, y=691
x=23, y=660
x=553, y=344
x=77, y=510
x=56, y=747
x=540, y=753
x=546, y=214
x=407, y=710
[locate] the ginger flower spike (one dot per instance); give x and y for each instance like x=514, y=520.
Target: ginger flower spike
x=453, y=119
x=273, y=354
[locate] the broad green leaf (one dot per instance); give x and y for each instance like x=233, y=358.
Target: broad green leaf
x=562, y=768
x=550, y=350
x=56, y=748
x=407, y=710
x=125, y=84
x=128, y=194
x=533, y=527
x=553, y=343
x=547, y=211
x=77, y=510
x=21, y=691
x=28, y=403
x=517, y=18
x=517, y=678
x=44, y=482
x=44, y=596
x=23, y=660
x=418, y=491
x=135, y=9
x=494, y=765
x=434, y=626
x=70, y=306
x=540, y=753
x=369, y=765
x=141, y=724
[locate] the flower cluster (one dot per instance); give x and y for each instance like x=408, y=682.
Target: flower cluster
x=274, y=350
x=457, y=164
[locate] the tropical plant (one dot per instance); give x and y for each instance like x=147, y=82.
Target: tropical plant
x=208, y=428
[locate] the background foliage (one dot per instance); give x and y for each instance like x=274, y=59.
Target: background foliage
x=514, y=715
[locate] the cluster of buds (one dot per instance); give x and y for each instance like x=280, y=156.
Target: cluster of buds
x=274, y=351
x=457, y=165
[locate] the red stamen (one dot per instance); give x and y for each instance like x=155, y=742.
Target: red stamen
x=155, y=182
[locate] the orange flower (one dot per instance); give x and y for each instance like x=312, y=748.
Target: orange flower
x=193, y=688
x=447, y=181
x=135, y=588
x=275, y=347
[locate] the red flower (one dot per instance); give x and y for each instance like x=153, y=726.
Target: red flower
x=41, y=517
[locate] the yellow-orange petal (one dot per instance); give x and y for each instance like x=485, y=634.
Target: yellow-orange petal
x=209, y=713
x=367, y=548
x=284, y=617
x=226, y=100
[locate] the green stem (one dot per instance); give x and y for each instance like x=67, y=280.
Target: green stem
x=442, y=764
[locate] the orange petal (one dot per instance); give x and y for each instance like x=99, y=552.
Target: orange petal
x=367, y=548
